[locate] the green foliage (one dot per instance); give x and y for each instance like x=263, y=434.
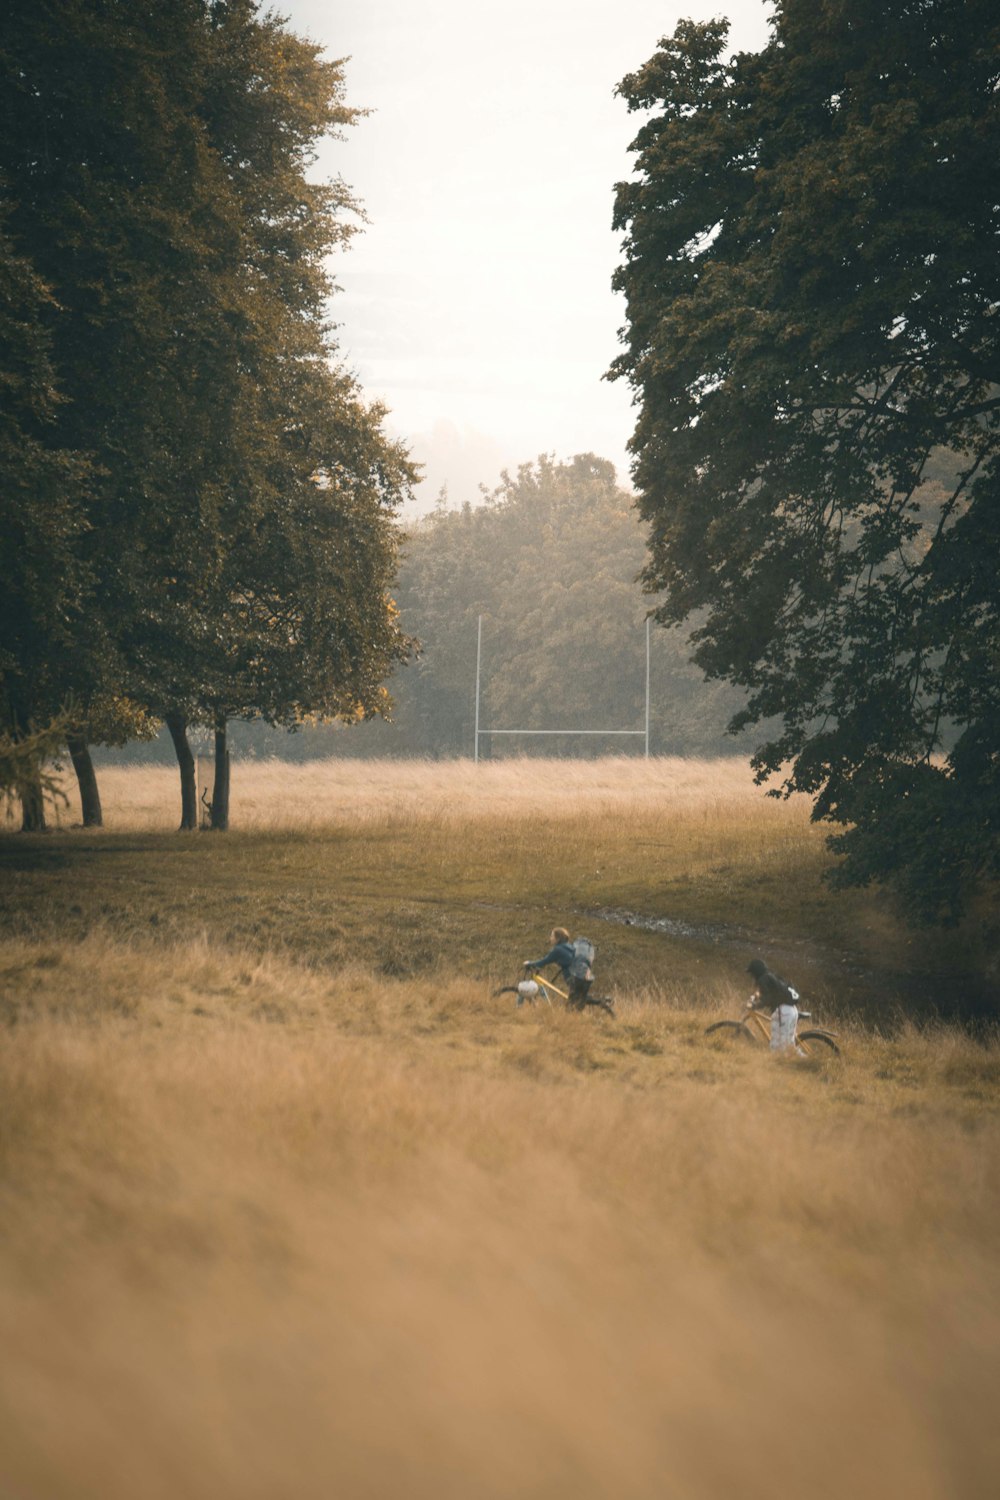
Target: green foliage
x=812, y=282
x=27, y=767
x=312, y=631
x=549, y=560
x=113, y=720
x=42, y=521
x=236, y=544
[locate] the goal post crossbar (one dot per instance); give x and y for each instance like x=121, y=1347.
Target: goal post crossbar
x=563, y=731
x=479, y=733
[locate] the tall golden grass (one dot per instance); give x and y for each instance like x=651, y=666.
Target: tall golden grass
x=404, y=865
x=275, y=795
x=282, y=1231
x=449, y=858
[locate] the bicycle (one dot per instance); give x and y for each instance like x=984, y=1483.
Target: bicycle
x=528, y=989
x=816, y=1040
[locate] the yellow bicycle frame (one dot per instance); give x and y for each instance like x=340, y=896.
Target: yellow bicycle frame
x=547, y=985
x=763, y=1025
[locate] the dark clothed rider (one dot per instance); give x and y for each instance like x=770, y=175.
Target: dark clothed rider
x=780, y=999
x=771, y=991
x=563, y=953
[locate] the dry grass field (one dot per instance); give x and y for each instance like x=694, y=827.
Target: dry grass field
x=280, y=796
x=294, y=1205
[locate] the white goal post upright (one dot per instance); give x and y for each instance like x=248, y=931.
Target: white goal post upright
x=647, y=686
x=479, y=733
x=479, y=659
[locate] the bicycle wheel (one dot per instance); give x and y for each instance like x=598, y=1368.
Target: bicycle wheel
x=816, y=1041
x=731, y=1030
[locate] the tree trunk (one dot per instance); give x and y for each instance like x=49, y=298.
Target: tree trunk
x=90, y=797
x=220, y=788
x=32, y=807
x=177, y=725
x=17, y=722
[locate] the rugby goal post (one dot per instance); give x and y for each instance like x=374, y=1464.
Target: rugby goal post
x=483, y=733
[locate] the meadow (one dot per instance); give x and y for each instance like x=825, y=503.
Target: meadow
x=294, y=1204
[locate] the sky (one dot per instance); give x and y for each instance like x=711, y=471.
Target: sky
x=477, y=302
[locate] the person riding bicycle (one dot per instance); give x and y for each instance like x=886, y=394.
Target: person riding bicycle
x=575, y=971
x=773, y=994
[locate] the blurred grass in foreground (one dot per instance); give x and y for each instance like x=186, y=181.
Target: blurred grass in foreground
x=293, y=1205
x=270, y=1231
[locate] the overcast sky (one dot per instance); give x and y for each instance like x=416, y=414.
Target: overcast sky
x=477, y=303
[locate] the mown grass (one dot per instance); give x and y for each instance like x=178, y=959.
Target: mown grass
x=304, y=1208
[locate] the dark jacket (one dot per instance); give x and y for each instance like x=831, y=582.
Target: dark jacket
x=772, y=991
x=562, y=954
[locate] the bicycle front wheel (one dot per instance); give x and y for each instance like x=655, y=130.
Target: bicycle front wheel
x=817, y=1042
x=732, y=1030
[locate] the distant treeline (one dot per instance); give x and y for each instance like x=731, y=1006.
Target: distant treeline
x=550, y=560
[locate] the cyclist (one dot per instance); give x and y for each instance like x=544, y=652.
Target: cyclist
x=565, y=954
x=773, y=994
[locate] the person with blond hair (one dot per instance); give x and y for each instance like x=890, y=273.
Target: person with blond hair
x=573, y=960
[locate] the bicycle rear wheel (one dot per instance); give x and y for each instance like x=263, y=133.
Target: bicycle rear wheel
x=732, y=1030
x=817, y=1042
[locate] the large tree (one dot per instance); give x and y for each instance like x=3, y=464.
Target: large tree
x=311, y=630
x=159, y=159
x=43, y=486
x=812, y=275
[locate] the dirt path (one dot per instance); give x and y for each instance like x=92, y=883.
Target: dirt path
x=846, y=981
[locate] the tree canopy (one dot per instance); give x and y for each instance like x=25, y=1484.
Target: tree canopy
x=42, y=517
x=550, y=560
x=812, y=284
x=233, y=547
